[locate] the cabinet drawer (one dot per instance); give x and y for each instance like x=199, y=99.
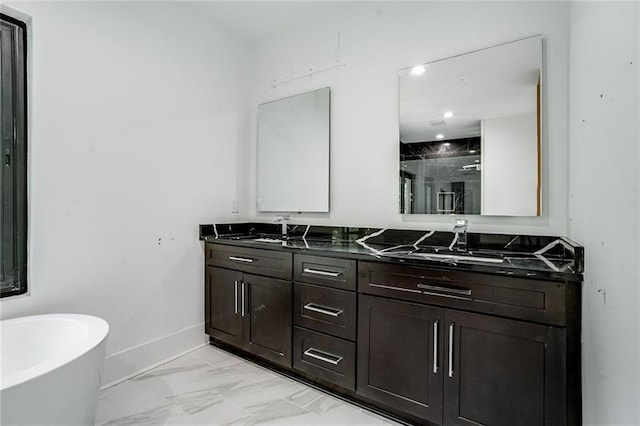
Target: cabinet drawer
x=526, y=299
x=327, y=271
x=325, y=357
x=325, y=309
x=261, y=262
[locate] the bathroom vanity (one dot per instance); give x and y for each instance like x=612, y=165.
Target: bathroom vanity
x=406, y=321
x=437, y=328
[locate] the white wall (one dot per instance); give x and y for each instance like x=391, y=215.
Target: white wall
x=374, y=41
x=137, y=109
x=605, y=205
x=510, y=170
x=136, y=113
x=368, y=44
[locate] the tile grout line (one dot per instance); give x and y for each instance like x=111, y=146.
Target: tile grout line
x=230, y=355
x=247, y=415
x=308, y=403
x=243, y=361
x=285, y=401
x=323, y=393
x=275, y=375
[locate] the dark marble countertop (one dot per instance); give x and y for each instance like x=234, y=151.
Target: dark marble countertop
x=528, y=256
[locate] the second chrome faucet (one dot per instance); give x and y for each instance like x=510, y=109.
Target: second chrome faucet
x=460, y=240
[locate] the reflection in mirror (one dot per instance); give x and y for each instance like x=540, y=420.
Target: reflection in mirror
x=293, y=154
x=470, y=133
x=449, y=175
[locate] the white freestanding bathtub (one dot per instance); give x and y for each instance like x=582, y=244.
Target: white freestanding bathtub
x=50, y=369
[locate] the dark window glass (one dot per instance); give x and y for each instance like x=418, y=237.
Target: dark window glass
x=13, y=158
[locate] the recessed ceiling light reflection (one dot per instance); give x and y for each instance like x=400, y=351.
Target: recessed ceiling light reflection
x=440, y=136
x=418, y=70
x=447, y=114
x=472, y=151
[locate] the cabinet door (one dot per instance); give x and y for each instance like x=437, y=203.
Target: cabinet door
x=223, y=319
x=267, y=320
x=400, y=356
x=503, y=372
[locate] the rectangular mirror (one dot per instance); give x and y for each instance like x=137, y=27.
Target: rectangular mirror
x=293, y=153
x=470, y=133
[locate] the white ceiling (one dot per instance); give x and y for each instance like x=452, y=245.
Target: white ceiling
x=255, y=20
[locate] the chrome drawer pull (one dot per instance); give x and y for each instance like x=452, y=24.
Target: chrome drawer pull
x=435, y=346
x=243, y=313
x=323, y=273
x=235, y=291
x=395, y=288
x=451, y=349
x=323, y=309
x=241, y=259
x=461, y=292
x=323, y=356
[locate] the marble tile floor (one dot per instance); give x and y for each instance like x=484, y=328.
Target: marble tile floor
x=212, y=387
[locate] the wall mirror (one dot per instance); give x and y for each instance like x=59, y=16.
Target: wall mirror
x=293, y=153
x=470, y=133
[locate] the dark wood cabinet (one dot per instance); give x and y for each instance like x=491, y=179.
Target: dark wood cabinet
x=267, y=318
x=400, y=361
x=513, y=297
x=222, y=314
x=325, y=357
x=502, y=372
x=270, y=263
x=457, y=368
x=325, y=271
x=325, y=309
x=250, y=312
x=433, y=346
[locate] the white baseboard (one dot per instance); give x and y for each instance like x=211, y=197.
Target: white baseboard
x=131, y=362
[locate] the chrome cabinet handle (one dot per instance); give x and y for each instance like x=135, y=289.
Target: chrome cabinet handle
x=323, y=273
x=457, y=291
x=241, y=259
x=323, y=309
x=323, y=356
x=451, y=326
x=243, y=298
x=435, y=346
x=235, y=292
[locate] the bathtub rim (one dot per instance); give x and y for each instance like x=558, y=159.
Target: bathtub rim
x=98, y=330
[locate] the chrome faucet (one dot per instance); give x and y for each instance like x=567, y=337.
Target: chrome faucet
x=460, y=240
x=283, y=219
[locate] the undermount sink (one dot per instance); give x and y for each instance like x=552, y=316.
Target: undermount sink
x=457, y=257
x=236, y=237
x=261, y=238
x=446, y=255
x=267, y=240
